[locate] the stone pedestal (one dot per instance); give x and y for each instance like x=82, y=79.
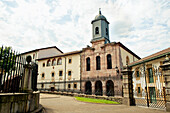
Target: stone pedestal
x=27, y=79
x=128, y=98
x=166, y=73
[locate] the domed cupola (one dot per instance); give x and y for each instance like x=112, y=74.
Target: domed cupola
x=100, y=27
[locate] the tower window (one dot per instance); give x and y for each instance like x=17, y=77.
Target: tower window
x=106, y=31
x=98, y=63
x=97, y=30
x=53, y=62
x=43, y=75
x=88, y=64
x=43, y=64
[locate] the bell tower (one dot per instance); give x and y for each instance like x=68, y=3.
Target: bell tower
x=100, y=28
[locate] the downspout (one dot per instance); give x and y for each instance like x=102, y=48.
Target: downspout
x=146, y=85
x=65, y=75
x=80, y=73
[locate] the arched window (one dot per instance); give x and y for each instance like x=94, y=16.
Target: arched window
x=127, y=60
x=98, y=63
x=97, y=30
x=88, y=64
x=48, y=63
x=54, y=62
x=106, y=31
x=109, y=61
x=59, y=61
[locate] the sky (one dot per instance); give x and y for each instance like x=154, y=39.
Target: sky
x=143, y=26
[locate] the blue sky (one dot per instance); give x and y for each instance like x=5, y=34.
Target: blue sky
x=141, y=25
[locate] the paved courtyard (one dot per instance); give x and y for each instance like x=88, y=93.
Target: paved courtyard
x=65, y=104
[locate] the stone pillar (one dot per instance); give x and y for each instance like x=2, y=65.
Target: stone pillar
x=128, y=98
x=27, y=76
x=93, y=88
x=104, y=88
x=166, y=73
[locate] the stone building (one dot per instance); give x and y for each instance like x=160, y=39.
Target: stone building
x=149, y=81
x=60, y=72
x=101, y=64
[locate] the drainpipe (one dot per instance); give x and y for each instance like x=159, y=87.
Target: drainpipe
x=65, y=75
x=146, y=85
x=80, y=74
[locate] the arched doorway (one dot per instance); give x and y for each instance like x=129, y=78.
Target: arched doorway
x=98, y=88
x=109, y=88
x=88, y=88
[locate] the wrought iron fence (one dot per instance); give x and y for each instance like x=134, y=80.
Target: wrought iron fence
x=11, y=70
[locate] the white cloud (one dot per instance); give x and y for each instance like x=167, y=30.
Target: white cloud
x=142, y=26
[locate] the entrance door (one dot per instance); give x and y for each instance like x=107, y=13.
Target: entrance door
x=152, y=94
x=88, y=88
x=98, y=88
x=109, y=88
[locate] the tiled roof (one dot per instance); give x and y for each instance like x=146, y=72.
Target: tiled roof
x=41, y=49
x=65, y=54
x=152, y=57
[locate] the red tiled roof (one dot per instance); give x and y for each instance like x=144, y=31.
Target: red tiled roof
x=151, y=57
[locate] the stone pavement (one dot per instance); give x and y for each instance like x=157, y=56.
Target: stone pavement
x=65, y=104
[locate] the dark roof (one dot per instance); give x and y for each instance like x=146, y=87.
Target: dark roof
x=152, y=57
x=41, y=49
x=65, y=54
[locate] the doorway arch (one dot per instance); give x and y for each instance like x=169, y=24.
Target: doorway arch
x=109, y=88
x=88, y=88
x=98, y=88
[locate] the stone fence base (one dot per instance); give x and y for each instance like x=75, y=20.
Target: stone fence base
x=116, y=99
x=19, y=102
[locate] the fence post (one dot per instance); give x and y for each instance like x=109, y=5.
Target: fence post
x=28, y=76
x=166, y=73
x=128, y=98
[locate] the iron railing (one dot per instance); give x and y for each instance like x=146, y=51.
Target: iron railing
x=11, y=70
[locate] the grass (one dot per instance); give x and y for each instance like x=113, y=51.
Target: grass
x=91, y=100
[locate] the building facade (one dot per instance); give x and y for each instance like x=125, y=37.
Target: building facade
x=148, y=79
x=61, y=72
x=102, y=62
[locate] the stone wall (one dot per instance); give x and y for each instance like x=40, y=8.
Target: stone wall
x=19, y=102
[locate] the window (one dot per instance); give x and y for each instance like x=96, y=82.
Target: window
x=54, y=62
x=75, y=85
x=52, y=74
x=48, y=63
x=43, y=64
x=138, y=89
x=150, y=75
x=137, y=73
x=69, y=60
x=33, y=56
x=109, y=62
x=43, y=75
x=69, y=73
x=60, y=73
x=97, y=30
x=106, y=31
x=127, y=60
x=59, y=61
x=69, y=86
x=42, y=85
x=88, y=64
x=98, y=63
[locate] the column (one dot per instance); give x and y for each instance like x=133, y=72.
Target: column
x=128, y=98
x=166, y=73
